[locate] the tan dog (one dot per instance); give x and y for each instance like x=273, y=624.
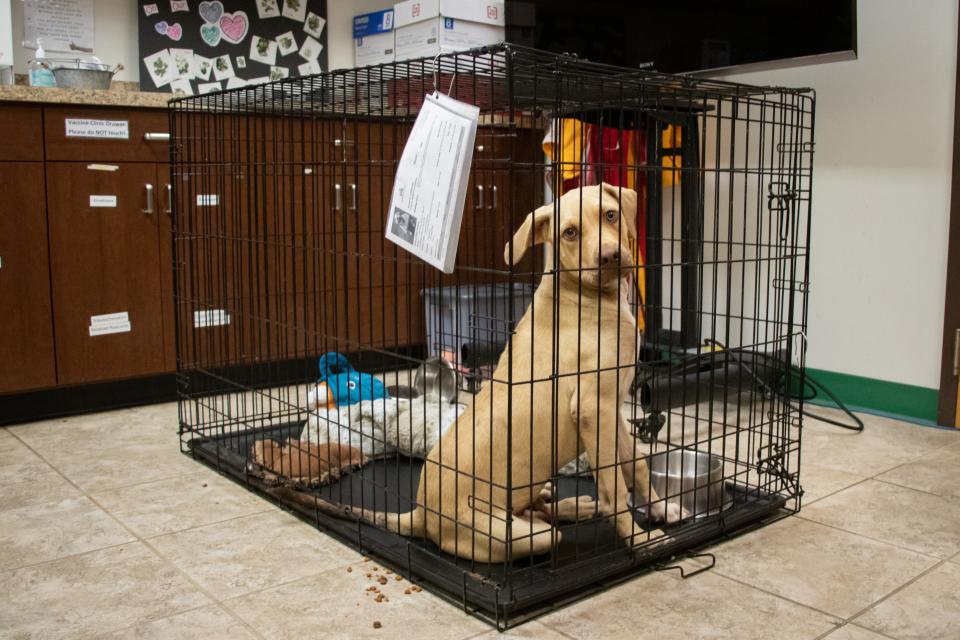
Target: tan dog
x=470, y=475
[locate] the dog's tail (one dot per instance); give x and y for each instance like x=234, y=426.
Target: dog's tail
x=410, y=523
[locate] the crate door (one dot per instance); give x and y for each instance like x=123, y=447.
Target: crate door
x=210, y=307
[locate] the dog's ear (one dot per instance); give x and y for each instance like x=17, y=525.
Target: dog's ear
x=534, y=230
x=628, y=206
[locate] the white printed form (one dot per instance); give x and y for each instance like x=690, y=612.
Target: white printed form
x=430, y=186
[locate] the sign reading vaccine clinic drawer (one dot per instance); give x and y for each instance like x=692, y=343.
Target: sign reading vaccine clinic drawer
x=90, y=128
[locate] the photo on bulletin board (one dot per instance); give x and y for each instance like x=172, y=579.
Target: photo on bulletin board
x=199, y=47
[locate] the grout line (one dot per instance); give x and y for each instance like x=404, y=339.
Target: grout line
x=206, y=524
x=556, y=630
x=779, y=596
x=121, y=487
x=849, y=486
x=903, y=486
x=908, y=583
x=88, y=552
x=827, y=634
x=861, y=535
x=226, y=602
x=152, y=620
x=532, y=621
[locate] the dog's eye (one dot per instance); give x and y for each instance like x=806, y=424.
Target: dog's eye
x=570, y=233
x=611, y=216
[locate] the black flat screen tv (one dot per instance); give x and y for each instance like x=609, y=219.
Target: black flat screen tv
x=679, y=36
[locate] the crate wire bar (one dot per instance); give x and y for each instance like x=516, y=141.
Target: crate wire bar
x=281, y=193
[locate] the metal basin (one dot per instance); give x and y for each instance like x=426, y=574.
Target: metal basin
x=692, y=478
x=81, y=75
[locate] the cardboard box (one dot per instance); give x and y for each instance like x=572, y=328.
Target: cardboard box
x=428, y=27
x=373, y=38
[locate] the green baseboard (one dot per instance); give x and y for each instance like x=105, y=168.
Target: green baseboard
x=879, y=395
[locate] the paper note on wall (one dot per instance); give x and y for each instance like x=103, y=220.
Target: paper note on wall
x=430, y=186
x=59, y=23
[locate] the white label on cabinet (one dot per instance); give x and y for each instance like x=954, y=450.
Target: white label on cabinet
x=103, y=201
x=109, y=318
x=109, y=323
x=207, y=199
x=90, y=128
x=210, y=318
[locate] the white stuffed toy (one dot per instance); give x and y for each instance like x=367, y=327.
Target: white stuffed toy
x=379, y=427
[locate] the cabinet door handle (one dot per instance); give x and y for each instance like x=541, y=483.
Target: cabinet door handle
x=149, y=208
x=353, y=197
x=156, y=137
x=169, y=209
x=479, y=204
x=493, y=194
x=337, y=197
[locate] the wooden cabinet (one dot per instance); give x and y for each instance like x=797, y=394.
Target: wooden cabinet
x=211, y=306
x=26, y=329
x=105, y=268
x=21, y=134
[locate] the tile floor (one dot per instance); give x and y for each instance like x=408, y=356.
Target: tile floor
x=107, y=531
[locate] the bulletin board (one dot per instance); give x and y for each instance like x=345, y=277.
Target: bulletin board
x=199, y=47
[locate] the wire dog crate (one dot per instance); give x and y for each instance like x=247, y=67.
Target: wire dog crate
x=648, y=231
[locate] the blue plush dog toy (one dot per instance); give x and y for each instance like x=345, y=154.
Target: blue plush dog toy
x=341, y=385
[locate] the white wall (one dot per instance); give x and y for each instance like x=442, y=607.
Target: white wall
x=881, y=192
x=115, y=37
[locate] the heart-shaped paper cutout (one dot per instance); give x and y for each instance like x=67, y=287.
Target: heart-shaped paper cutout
x=211, y=11
x=210, y=34
x=161, y=27
x=174, y=31
x=234, y=26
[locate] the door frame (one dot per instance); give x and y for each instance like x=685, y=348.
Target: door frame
x=948, y=413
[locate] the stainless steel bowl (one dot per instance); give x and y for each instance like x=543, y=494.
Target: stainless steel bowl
x=692, y=478
x=436, y=376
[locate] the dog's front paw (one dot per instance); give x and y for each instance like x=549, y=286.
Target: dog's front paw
x=667, y=511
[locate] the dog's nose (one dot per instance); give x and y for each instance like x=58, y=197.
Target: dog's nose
x=610, y=257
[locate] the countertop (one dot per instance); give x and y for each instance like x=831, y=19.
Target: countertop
x=122, y=94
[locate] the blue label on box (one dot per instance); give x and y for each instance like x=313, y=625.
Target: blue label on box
x=370, y=24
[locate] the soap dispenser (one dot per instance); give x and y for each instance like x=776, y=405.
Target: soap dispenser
x=40, y=73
